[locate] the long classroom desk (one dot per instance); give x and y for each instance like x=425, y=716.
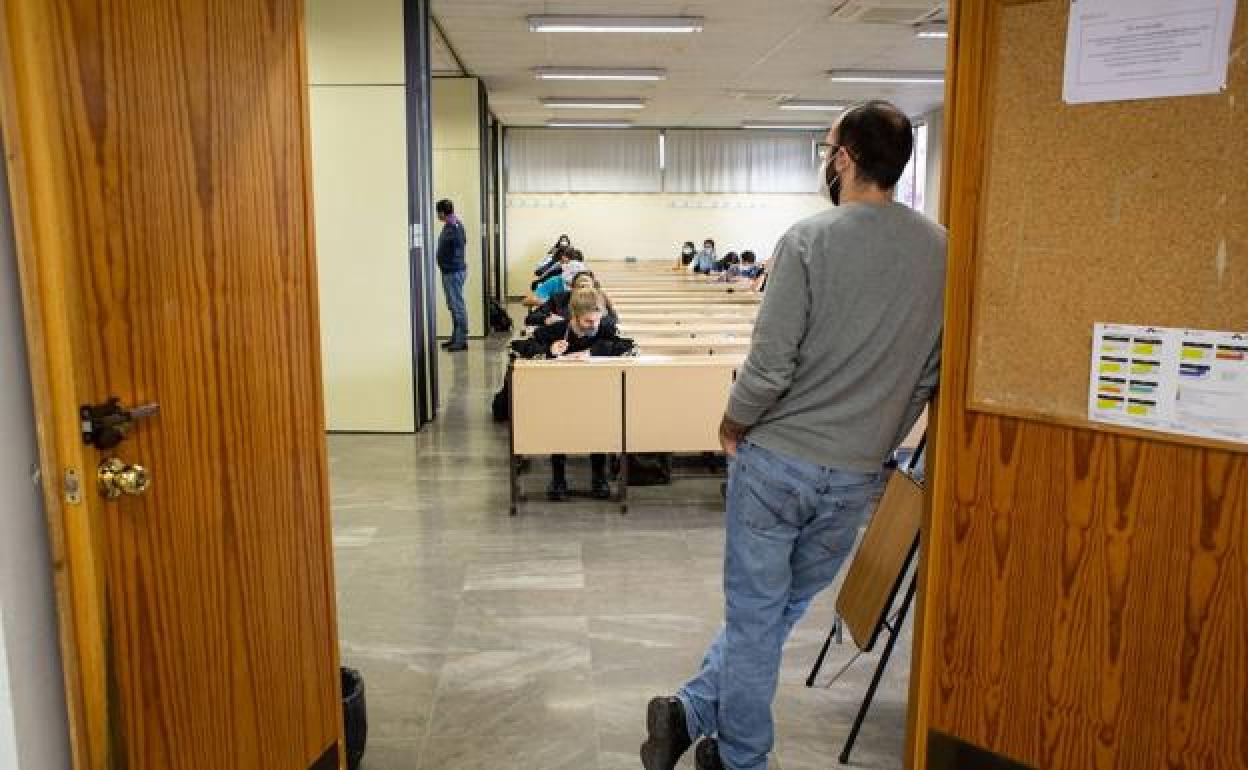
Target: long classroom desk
x=629, y=311
x=705, y=345
x=677, y=296
x=636, y=404
x=701, y=328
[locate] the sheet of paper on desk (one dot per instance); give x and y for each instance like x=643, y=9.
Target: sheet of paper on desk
x=1146, y=49
x=1174, y=380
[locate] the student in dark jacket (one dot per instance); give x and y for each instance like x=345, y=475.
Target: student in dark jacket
x=555, y=309
x=454, y=267
x=587, y=332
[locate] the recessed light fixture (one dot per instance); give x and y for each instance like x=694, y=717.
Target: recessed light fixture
x=590, y=73
x=592, y=104
x=887, y=77
x=659, y=24
x=588, y=124
x=771, y=125
x=811, y=105
x=932, y=30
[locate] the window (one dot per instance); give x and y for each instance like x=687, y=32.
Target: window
x=912, y=187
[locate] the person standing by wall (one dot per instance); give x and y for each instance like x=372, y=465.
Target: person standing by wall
x=454, y=267
x=845, y=356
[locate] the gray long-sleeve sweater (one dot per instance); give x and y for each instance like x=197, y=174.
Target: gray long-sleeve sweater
x=846, y=349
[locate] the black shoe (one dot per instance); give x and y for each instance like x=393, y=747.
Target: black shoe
x=600, y=489
x=446, y=344
x=706, y=756
x=668, y=734
x=457, y=348
x=557, y=491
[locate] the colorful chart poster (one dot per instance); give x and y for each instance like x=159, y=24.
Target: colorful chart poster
x=1173, y=380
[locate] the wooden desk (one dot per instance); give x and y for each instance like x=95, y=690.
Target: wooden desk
x=629, y=311
x=685, y=297
x=648, y=403
x=688, y=329
x=707, y=345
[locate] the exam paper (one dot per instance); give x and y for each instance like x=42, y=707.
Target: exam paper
x=1184, y=381
x=1146, y=49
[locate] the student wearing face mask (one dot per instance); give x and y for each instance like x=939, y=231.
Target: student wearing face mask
x=587, y=332
x=685, y=259
x=704, y=261
x=844, y=357
x=555, y=309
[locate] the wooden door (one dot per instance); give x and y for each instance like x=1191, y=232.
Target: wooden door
x=1085, y=586
x=159, y=176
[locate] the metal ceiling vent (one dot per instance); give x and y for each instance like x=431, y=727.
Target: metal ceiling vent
x=887, y=11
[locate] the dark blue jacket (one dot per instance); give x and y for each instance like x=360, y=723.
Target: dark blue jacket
x=451, y=247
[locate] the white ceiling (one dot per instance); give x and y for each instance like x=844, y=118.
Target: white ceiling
x=751, y=53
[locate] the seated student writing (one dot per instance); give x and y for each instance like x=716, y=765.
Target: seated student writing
x=704, y=261
x=744, y=270
x=569, y=268
x=555, y=309
x=587, y=332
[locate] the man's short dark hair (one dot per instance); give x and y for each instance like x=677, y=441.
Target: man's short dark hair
x=880, y=138
x=445, y=207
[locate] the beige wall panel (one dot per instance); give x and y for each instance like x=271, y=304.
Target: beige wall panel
x=456, y=175
x=355, y=42
x=455, y=110
x=648, y=226
x=573, y=407
x=360, y=186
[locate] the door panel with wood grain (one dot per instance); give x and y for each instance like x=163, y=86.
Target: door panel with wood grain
x=160, y=184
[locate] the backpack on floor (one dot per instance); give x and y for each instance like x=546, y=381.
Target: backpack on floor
x=649, y=469
x=501, y=407
x=499, y=320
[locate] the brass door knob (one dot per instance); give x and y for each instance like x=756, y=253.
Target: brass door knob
x=117, y=479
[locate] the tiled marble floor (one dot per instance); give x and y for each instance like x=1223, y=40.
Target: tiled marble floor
x=534, y=643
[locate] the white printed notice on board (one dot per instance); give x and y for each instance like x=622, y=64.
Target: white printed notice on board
x=1173, y=380
x=1146, y=49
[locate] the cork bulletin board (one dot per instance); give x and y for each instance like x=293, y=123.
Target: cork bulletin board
x=1126, y=212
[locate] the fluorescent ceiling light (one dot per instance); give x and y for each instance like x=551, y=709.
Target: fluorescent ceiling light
x=592, y=104
x=588, y=124
x=589, y=73
x=615, y=23
x=935, y=30
x=810, y=105
x=776, y=126
x=886, y=76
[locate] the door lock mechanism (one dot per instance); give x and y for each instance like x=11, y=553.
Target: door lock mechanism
x=115, y=479
x=105, y=425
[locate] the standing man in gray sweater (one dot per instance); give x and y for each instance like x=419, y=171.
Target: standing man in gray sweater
x=845, y=355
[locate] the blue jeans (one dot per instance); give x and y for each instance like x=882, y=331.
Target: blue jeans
x=790, y=525
x=453, y=287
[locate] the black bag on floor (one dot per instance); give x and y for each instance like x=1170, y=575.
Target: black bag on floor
x=501, y=408
x=354, y=716
x=649, y=469
x=499, y=320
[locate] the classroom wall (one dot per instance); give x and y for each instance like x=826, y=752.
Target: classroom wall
x=359, y=168
x=457, y=176
x=648, y=226
x=34, y=733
